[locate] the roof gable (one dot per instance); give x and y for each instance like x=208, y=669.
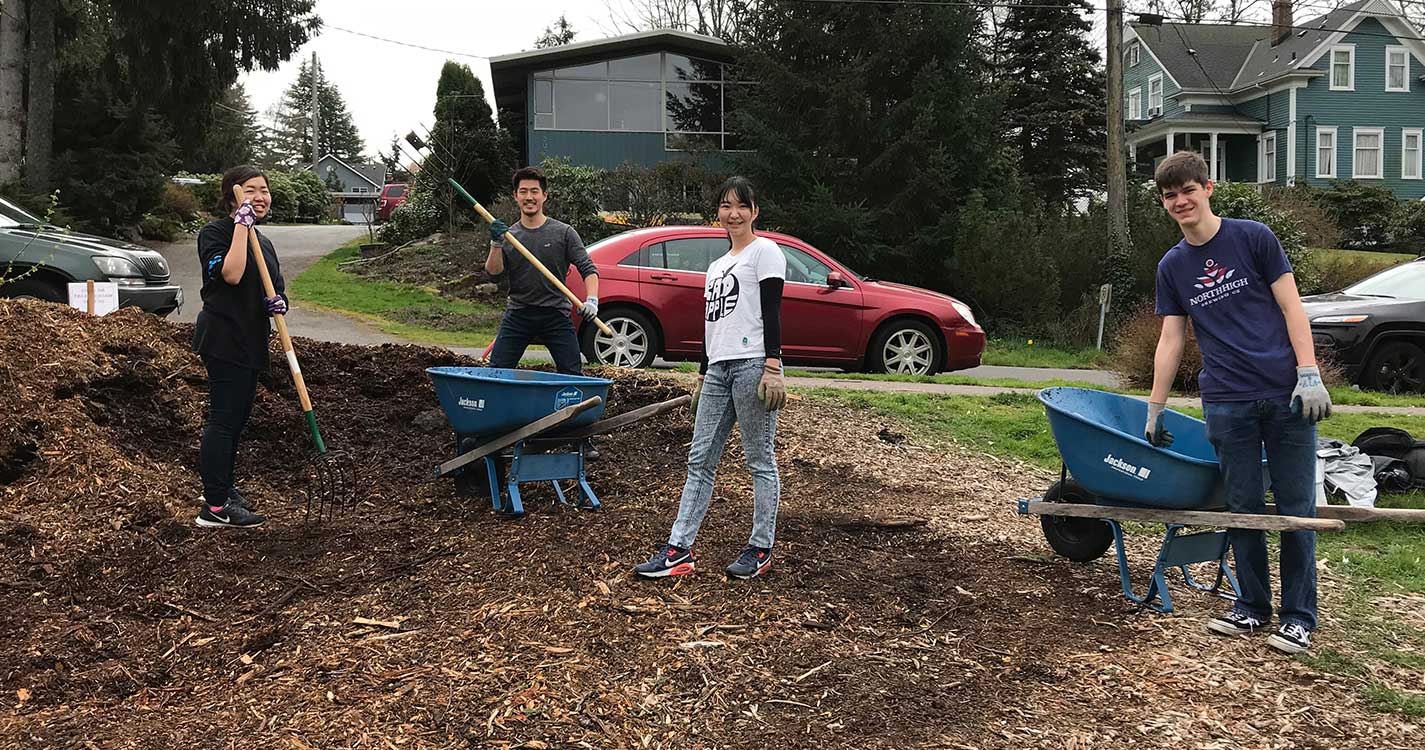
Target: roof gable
x=1200, y=56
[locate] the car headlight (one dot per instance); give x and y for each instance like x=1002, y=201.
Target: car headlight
x=116, y=268
x=964, y=310
x=1341, y=319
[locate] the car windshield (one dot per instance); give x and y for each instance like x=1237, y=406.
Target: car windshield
x=1405, y=281
x=12, y=215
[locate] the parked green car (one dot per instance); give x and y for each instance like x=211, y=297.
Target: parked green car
x=38, y=260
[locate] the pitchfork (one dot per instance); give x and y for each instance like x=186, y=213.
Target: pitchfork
x=331, y=475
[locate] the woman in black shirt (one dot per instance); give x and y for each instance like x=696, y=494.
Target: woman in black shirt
x=231, y=336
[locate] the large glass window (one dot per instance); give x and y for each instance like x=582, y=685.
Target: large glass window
x=641, y=68
x=680, y=68
x=1367, y=161
x=633, y=105
x=543, y=104
x=581, y=105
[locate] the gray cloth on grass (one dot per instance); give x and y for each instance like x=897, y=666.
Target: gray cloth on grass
x=1348, y=472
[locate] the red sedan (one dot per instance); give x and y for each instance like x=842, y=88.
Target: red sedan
x=651, y=295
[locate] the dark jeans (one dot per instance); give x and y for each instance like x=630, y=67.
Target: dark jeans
x=1238, y=432
x=550, y=326
x=231, y=390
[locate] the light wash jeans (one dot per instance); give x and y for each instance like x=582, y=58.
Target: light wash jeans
x=730, y=395
x=1239, y=431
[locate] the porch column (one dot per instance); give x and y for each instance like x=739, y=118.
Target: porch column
x=1212, y=166
x=1132, y=153
x=1170, y=142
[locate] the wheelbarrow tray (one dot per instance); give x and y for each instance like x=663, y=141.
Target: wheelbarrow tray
x=489, y=401
x=1100, y=438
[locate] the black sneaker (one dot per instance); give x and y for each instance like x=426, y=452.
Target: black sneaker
x=667, y=561
x=591, y=451
x=1235, y=623
x=232, y=516
x=1291, y=638
x=234, y=497
x=753, y=562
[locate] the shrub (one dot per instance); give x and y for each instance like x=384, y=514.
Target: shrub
x=418, y=217
x=1136, y=343
x=206, y=192
x=285, y=199
x=1363, y=212
x=1304, y=204
x=159, y=228
x=1407, y=229
x=575, y=197
x=1342, y=269
x=1001, y=269
x=313, y=200
x=1241, y=201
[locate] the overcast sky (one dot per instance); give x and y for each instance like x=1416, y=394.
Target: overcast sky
x=390, y=88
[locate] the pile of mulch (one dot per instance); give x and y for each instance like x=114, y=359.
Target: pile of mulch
x=452, y=264
x=423, y=619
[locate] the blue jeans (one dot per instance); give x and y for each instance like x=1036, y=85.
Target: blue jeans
x=730, y=395
x=550, y=326
x=1238, y=432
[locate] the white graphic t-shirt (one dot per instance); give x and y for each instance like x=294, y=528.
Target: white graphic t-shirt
x=734, y=300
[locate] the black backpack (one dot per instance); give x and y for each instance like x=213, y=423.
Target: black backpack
x=1400, y=450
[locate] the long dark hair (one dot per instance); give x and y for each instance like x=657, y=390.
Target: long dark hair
x=231, y=179
x=740, y=186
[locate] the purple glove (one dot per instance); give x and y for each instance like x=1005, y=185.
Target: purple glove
x=276, y=305
x=245, y=215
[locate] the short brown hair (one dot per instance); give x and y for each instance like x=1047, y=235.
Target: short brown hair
x=529, y=173
x=1180, y=169
x=231, y=179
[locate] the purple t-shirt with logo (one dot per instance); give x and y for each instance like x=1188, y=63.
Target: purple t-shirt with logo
x=1224, y=287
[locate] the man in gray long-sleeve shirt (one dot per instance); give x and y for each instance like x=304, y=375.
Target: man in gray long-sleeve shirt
x=537, y=311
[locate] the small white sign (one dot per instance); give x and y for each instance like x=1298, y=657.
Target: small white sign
x=106, y=297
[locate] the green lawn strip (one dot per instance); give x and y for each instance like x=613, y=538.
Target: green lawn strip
x=1385, y=259
x=1020, y=353
x=325, y=286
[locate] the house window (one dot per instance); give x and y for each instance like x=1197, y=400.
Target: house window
x=1326, y=153
x=1343, y=68
x=1134, y=53
x=1410, y=154
x=1368, y=148
x=1269, y=157
x=1135, y=104
x=1155, y=95
x=543, y=104
x=1397, y=69
x=360, y=189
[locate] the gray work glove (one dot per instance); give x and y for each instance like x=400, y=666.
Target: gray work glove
x=590, y=309
x=1153, y=432
x=697, y=393
x=771, y=391
x=1310, y=399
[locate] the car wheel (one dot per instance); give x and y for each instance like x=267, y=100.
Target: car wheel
x=1079, y=539
x=1396, y=367
x=634, y=343
x=905, y=347
x=32, y=288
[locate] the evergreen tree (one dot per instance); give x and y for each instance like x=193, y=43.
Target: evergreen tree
x=466, y=139
x=231, y=136
x=292, y=137
x=392, y=159
x=871, y=125
x=559, y=33
x=1054, y=99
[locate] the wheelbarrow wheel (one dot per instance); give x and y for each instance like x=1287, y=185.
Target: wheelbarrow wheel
x=1079, y=539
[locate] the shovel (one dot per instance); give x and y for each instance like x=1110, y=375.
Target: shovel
x=330, y=474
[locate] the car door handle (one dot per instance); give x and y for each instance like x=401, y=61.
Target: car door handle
x=663, y=277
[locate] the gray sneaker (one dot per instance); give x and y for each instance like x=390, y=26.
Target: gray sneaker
x=753, y=562
x=1290, y=638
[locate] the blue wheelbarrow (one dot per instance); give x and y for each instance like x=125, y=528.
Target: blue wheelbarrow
x=521, y=423
x=1110, y=474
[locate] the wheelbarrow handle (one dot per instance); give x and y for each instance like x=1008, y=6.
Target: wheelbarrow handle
x=271, y=291
x=479, y=209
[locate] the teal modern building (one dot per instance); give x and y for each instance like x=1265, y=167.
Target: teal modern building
x=642, y=98
x=1338, y=97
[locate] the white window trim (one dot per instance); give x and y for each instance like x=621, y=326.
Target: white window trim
x=1350, y=67
x=1135, y=53
x=1268, y=171
x=1419, y=147
x=1404, y=52
x=1159, y=78
x=1135, y=103
x=1335, y=154
x=1356, y=133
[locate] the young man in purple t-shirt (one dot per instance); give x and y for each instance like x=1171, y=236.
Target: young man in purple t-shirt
x=1260, y=388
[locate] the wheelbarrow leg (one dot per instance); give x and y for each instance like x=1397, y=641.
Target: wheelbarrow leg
x=592, y=500
x=512, y=481
x=493, y=477
x=1157, y=586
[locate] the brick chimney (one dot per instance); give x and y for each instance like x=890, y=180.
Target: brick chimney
x=1281, y=21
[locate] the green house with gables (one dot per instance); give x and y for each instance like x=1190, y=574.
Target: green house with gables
x=1337, y=97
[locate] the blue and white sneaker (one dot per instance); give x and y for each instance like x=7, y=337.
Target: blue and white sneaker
x=1290, y=638
x=753, y=562
x=667, y=561
x=1235, y=622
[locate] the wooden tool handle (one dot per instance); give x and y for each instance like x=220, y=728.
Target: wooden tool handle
x=489, y=219
x=271, y=291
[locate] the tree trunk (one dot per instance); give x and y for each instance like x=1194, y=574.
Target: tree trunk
x=40, y=141
x=12, y=89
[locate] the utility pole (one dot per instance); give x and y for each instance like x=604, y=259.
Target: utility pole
x=1117, y=154
x=316, y=112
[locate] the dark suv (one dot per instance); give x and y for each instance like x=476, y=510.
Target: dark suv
x=1376, y=328
x=38, y=260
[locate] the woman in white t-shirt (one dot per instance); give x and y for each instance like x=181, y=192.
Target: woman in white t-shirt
x=740, y=381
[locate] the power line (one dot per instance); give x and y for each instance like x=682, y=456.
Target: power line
x=406, y=44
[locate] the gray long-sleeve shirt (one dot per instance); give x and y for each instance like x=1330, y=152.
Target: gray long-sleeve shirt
x=557, y=246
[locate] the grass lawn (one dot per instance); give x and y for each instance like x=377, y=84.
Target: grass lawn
x=396, y=309
x=1022, y=353
x=1381, y=559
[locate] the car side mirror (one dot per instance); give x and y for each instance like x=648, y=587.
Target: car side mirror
x=836, y=280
